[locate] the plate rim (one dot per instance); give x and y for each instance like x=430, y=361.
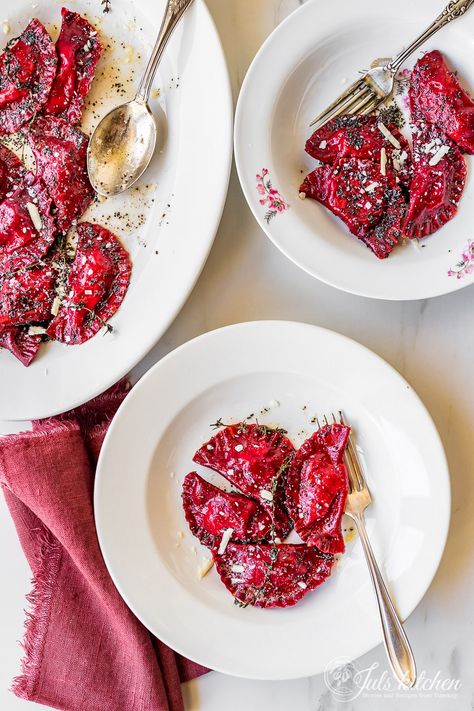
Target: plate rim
x=215, y=209
x=456, y=284
x=101, y=535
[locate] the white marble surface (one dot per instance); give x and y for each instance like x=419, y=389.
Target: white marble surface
x=430, y=342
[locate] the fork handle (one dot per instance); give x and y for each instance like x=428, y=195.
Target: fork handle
x=453, y=10
x=396, y=642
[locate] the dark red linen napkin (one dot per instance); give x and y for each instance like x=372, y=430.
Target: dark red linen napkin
x=84, y=648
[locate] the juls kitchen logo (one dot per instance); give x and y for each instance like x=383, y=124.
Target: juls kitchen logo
x=347, y=682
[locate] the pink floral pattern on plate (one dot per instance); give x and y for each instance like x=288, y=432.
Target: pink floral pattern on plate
x=402, y=84
x=466, y=264
x=269, y=196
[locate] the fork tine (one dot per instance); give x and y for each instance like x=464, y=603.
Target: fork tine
x=351, y=453
x=349, y=463
x=354, y=469
x=371, y=106
x=345, y=95
x=366, y=101
x=351, y=477
x=359, y=98
x=343, y=102
x=351, y=458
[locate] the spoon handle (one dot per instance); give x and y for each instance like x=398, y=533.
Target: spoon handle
x=175, y=9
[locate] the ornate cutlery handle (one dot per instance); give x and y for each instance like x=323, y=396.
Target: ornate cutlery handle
x=396, y=642
x=175, y=9
x=453, y=10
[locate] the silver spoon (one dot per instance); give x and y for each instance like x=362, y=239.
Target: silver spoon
x=123, y=143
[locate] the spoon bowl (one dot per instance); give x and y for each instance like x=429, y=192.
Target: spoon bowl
x=123, y=143
x=121, y=147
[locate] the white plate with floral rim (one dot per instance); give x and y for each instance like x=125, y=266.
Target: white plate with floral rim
x=285, y=373
x=168, y=222
x=304, y=64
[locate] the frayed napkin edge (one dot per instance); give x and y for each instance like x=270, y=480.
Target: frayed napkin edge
x=37, y=615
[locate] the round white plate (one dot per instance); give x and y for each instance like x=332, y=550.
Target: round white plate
x=168, y=223
x=231, y=373
x=302, y=67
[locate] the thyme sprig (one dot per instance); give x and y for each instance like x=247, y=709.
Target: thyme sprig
x=105, y=324
x=266, y=429
x=243, y=426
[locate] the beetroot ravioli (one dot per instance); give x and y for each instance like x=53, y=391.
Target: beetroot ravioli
x=12, y=171
x=254, y=458
x=317, y=488
x=20, y=343
x=369, y=202
x=437, y=96
x=27, y=71
x=79, y=50
x=439, y=177
x=361, y=137
x=60, y=154
x=27, y=227
x=210, y=511
x=271, y=576
x=96, y=285
x=42, y=91
x=26, y=296
x=241, y=528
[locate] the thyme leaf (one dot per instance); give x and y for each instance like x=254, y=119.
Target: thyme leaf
x=240, y=603
x=105, y=324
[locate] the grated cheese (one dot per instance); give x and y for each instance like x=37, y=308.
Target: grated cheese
x=55, y=305
x=439, y=155
x=370, y=188
x=267, y=495
x=205, y=567
x=35, y=216
x=383, y=161
x=226, y=536
x=389, y=136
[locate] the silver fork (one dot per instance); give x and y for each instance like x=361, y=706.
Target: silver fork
x=397, y=645
x=365, y=94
